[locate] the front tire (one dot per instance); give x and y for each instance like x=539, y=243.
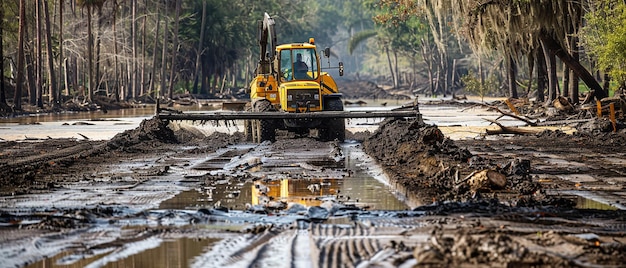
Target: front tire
x=335, y=128
x=265, y=129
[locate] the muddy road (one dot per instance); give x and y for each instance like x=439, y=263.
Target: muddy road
x=404, y=195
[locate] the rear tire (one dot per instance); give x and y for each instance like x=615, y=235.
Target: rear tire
x=335, y=128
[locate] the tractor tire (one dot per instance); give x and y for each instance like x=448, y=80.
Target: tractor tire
x=247, y=125
x=265, y=129
x=247, y=130
x=335, y=128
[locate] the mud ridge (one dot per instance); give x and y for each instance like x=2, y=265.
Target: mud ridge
x=432, y=167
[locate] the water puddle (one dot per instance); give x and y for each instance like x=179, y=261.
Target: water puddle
x=325, y=179
x=359, y=190
x=586, y=203
x=168, y=253
x=600, y=200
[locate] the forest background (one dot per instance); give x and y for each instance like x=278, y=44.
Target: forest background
x=55, y=51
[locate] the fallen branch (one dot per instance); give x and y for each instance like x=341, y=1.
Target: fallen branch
x=564, y=122
x=509, y=130
x=527, y=121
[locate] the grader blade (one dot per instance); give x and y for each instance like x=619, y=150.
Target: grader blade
x=283, y=115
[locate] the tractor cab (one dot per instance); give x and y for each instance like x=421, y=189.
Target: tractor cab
x=298, y=62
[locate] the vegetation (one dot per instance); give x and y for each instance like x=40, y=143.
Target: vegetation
x=59, y=50
x=474, y=85
x=604, y=35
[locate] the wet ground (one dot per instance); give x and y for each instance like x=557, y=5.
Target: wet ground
x=400, y=195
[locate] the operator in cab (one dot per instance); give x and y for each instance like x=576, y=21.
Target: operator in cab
x=300, y=68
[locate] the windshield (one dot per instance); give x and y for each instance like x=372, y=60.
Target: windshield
x=298, y=64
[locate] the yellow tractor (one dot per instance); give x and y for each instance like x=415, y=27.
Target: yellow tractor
x=290, y=91
x=289, y=78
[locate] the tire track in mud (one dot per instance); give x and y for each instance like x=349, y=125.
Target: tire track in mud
x=68, y=153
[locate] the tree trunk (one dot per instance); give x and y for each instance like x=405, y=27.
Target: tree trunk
x=396, y=80
x=206, y=73
x=62, y=61
x=542, y=74
x=512, y=74
x=74, y=77
x=580, y=70
x=98, y=45
x=429, y=64
x=31, y=73
x=52, y=82
x=154, y=54
x=566, y=81
x=607, y=81
x=142, y=85
x=116, y=78
x=531, y=67
x=199, y=52
x=17, y=97
x=3, y=97
x=481, y=73
x=35, y=97
x=164, y=57
x=574, y=81
x=393, y=76
x=91, y=84
x=133, y=44
x=174, y=49
x=552, y=79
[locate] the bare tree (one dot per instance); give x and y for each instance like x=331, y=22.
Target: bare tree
x=174, y=49
x=3, y=98
x=35, y=97
x=17, y=98
x=200, y=50
x=52, y=83
x=90, y=4
x=154, y=53
x=164, y=56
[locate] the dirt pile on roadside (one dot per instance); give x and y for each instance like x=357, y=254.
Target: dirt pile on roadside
x=431, y=167
x=150, y=133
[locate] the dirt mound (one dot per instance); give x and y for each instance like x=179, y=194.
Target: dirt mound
x=151, y=133
x=431, y=167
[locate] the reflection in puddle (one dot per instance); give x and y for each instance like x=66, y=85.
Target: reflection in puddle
x=170, y=253
x=357, y=188
x=586, y=203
